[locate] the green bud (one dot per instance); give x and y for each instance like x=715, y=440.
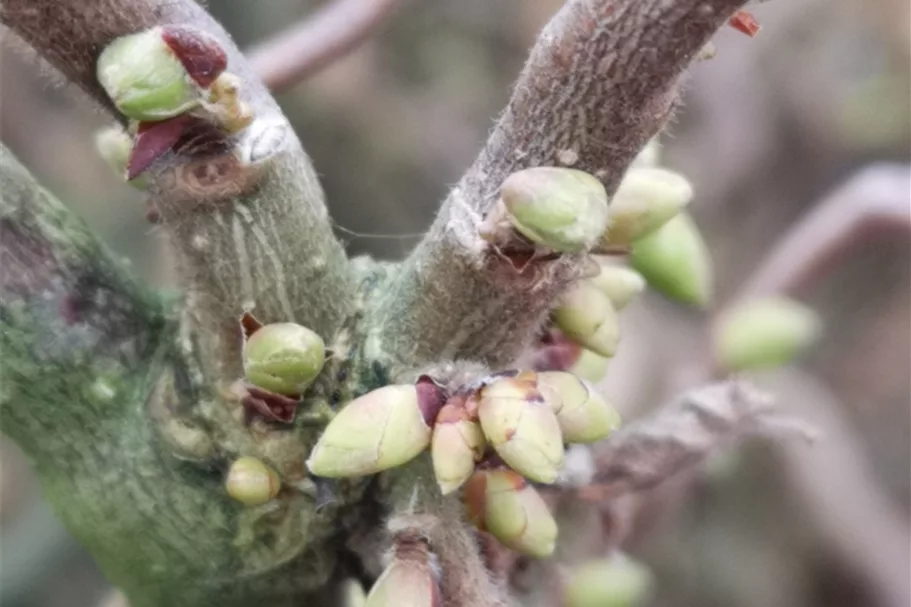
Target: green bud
x=522, y=428
x=586, y=315
x=609, y=582
x=283, y=357
x=516, y=515
x=382, y=429
x=456, y=446
x=584, y=416
x=562, y=209
x=161, y=72
x=646, y=199
x=406, y=583
x=590, y=366
x=252, y=482
x=675, y=261
x=619, y=283
x=764, y=333
x=114, y=146
x=352, y=594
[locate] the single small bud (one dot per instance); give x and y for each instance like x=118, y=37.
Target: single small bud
x=351, y=594
x=764, y=333
x=586, y=315
x=675, y=261
x=382, y=429
x=115, y=146
x=562, y=209
x=456, y=446
x=619, y=283
x=610, y=582
x=252, y=482
x=590, y=366
x=522, y=428
x=161, y=72
x=514, y=512
x=283, y=357
x=646, y=199
x=410, y=580
x=584, y=416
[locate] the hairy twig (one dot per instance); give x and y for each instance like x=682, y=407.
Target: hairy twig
x=246, y=216
x=602, y=80
x=307, y=47
x=869, y=204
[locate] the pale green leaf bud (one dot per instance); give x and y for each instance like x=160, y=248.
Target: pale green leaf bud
x=161, y=72
x=764, y=333
x=675, y=261
x=382, y=429
x=351, y=594
x=516, y=515
x=406, y=583
x=562, y=209
x=590, y=366
x=611, y=582
x=586, y=315
x=619, y=283
x=114, y=146
x=584, y=416
x=283, y=357
x=646, y=199
x=456, y=446
x=251, y=482
x=522, y=428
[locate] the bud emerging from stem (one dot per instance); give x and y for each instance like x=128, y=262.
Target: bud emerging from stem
x=562, y=209
x=646, y=199
x=619, y=283
x=252, y=482
x=115, y=145
x=283, y=357
x=377, y=431
x=510, y=509
x=583, y=415
x=587, y=316
x=522, y=428
x=610, y=582
x=456, y=446
x=674, y=260
x=161, y=72
x=764, y=333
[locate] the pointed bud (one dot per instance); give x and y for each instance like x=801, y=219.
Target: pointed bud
x=675, y=261
x=407, y=582
x=283, y=357
x=646, y=199
x=456, y=446
x=587, y=316
x=252, y=482
x=589, y=366
x=115, y=145
x=562, y=209
x=382, y=429
x=515, y=514
x=610, y=582
x=522, y=428
x=764, y=333
x=161, y=72
x=619, y=283
x=584, y=416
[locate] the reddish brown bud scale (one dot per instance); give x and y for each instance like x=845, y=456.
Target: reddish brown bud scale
x=473, y=498
x=153, y=140
x=201, y=55
x=269, y=405
x=249, y=324
x=430, y=398
x=745, y=22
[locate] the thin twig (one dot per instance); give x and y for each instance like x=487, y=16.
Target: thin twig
x=307, y=47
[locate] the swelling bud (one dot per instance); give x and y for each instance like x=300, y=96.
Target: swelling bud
x=283, y=357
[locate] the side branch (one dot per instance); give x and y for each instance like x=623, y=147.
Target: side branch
x=244, y=211
x=601, y=81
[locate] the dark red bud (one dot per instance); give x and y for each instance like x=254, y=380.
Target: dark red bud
x=200, y=53
x=745, y=22
x=152, y=141
x=430, y=398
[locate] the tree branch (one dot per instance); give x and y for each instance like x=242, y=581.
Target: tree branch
x=246, y=216
x=307, y=47
x=602, y=80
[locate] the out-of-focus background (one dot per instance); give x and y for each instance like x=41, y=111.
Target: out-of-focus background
x=771, y=127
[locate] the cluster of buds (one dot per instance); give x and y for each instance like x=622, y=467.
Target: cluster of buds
x=516, y=423
x=167, y=80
